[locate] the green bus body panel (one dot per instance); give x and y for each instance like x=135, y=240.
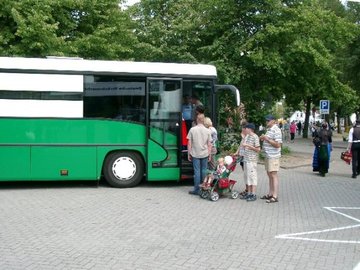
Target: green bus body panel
x=37, y=149
x=15, y=163
x=165, y=174
x=74, y=161
x=158, y=154
x=40, y=148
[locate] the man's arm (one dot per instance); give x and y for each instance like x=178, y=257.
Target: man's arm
x=272, y=142
x=350, y=139
x=189, y=145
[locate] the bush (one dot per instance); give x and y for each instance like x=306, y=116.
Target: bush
x=229, y=142
x=285, y=150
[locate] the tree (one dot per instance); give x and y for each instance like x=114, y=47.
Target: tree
x=349, y=59
x=289, y=51
x=269, y=49
x=166, y=30
x=90, y=29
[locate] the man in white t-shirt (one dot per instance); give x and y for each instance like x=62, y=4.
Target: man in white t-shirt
x=199, y=151
x=354, y=147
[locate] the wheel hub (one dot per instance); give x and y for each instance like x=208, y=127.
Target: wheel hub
x=124, y=168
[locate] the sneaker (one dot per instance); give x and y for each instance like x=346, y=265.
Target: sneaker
x=193, y=192
x=353, y=176
x=251, y=198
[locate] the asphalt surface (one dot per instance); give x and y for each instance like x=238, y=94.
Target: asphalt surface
x=315, y=224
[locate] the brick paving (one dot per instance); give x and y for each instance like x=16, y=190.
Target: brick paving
x=160, y=226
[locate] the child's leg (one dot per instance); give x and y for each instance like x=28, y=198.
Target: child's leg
x=207, y=181
x=252, y=177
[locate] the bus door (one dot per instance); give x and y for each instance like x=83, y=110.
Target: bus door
x=164, y=128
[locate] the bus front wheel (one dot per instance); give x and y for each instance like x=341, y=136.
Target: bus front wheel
x=123, y=169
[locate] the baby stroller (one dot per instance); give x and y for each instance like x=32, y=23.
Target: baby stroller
x=221, y=184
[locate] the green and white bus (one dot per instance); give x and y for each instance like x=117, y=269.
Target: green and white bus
x=75, y=119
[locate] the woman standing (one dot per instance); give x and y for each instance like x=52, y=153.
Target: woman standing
x=322, y=151
x=214, y=138
x=292, y=131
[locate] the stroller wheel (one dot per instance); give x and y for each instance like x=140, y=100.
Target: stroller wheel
x=234, y=194
x=204, y=194
x=214, y=196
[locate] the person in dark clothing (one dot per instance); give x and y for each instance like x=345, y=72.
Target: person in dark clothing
x=299, y=127
x=321, y=159
x=354, y=147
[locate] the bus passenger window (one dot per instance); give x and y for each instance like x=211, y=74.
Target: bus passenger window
x=115, y=97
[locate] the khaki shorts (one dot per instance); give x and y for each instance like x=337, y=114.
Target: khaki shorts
x=250, y=173
x=272, y=164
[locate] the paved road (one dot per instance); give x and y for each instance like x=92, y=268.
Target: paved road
x=315, y=225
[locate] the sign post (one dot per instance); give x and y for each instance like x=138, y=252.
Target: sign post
x=324, y=106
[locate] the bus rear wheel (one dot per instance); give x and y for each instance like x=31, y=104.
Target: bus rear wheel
x=123, y=169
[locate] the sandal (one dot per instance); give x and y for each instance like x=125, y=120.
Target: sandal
x=266, y=197
x=243, y=193
x=272, y=200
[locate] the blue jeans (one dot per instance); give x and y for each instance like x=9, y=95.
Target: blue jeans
x=200, y=167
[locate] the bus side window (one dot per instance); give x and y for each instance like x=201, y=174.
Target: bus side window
x=120, y=98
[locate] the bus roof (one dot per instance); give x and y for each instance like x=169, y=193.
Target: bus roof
x=80, y=66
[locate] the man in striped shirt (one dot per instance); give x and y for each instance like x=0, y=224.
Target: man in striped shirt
x=272, y=147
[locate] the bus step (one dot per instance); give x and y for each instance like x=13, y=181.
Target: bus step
x=187, y=177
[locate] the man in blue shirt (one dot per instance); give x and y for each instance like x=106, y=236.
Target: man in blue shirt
x=187, y=112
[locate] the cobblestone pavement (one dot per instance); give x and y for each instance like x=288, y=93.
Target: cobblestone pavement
x=315, y=224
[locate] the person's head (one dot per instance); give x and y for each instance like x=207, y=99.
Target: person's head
x=250, y=127
x=200, y=118
x=243, y=124
x=199, y=109
x=324, y=125
x=207, y=122
x=187, y=99
x=195, y=100
x=221, y=161
x=270, y=120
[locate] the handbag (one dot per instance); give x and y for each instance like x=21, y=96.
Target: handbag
x=223, y=183
x=346, y=156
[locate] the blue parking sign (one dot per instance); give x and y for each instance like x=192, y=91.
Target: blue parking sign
x=324, y=106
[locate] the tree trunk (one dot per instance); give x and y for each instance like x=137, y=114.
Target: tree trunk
x=338, y=124
x=307, y=117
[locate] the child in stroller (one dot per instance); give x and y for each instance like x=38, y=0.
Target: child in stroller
x=217, y=182
x=220, y=170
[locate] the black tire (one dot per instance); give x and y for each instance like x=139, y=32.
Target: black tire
x=214, y=196
x=123, y=169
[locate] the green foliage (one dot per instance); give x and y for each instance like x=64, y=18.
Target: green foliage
x=285, y=150
x=166, y=30
x=228, y=142
x=89, y=29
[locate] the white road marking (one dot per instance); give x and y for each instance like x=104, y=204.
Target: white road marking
x=296, y=236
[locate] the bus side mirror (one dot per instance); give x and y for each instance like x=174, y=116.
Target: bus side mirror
x=231, y=88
